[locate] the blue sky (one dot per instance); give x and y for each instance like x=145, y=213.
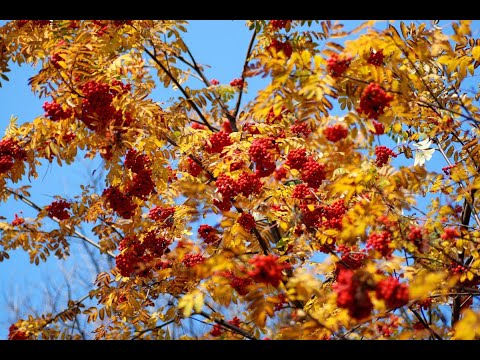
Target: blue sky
x=219, y=44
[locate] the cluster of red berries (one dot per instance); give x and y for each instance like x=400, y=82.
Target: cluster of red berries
x=190, y=260
x=376, y=58
x=333, y=214
x=351, y=256
x=335, y=133
x=193, y=168
x=446, y=169
x=217, y=142
x=282, y=300
x=379, y=128
x=383, y=154
x=311, y=218
x=301, y=129
x=216, y=330
x=141, y=184
x=272, y=118
x=214, y=82
x=17, y=220
x=247, y=221
x=313, y=173
x=9, y=152
x=458, y=269
x=374, y=100
x=209, y=234
x=119, y=202
x=163, y=215
x=97, y=111
x=263, y=152
x=279, y=24
x=415, y=235
x=138, y=257
x=267, y=269
x=380, y=241
x=58, y=209
x=239, y=284
x=282, y=46
x=246, y=184
x=387, y=329
x=352, y=294
x=39, y=23
x=303, y=192
x=136, y=162
x=280, y=173
x=450, y=234
x=14, y=333
x=297, y=158
x=393, y=292
x=55, y=112
x=250, y=128
x=337, y=65
x=238, y=83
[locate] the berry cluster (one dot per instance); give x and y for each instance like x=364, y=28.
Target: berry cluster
x=282, y=300
x=335, y=133
x=97, y=110
x=337, y=65
x=280, y=173
x=376, y=58
x=235, y=321
x=374, y=100
x=214, y=82
x=450, y=234
x=379, y=128
x=136, y=162
x=246, y=184
x=380, y=242
x=193, y=168
x=14, y=333
x=163, y=215
x=333, y=214
x=138, y=257
x=190, y=260
x=216, y=330
x=247, y=221
x=393, y=292
x=352, y=294
x=9, y=152
x=119, y=202
x=227, y=126
x=351, y=256
x=301, y=129
x=383, y=154
x=303, y=192
x=297, y=158
x=313, y=173
x=17, y=220
x=415, y=235
x=267, y=269
x=282, y=46
x=238, y=83
x=238, y=283
x=272, y=118
x=217, y=142
x=58, y=209
x=209, y=234
x=141, y=185
x=446, y=169
x=279, y=24
x=263, y=152
x=250, y=128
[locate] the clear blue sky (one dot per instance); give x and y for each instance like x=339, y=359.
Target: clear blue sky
x=219, y=44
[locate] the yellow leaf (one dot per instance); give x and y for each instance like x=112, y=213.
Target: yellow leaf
x=476, y=53
x=468, y=328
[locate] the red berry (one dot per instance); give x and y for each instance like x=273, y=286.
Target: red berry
x=380, y=242
x=352, y=295
x=374, y=100
x=280, y=46
x=136, y=162
x=335, y=132
x=247, y=221
x=249, y=184
x=15, y=334
x=163, y=215
x=214, y=82
x=141, y=185
x=190, y=260
x=119, y=202
x=376, y=58
x=379, y=128
x=297, y=158
x=209, y=234
x=383, y=155
x=217, y=142
x=267, y=269
x=238, y=283
x=17, y=220
x=394, y=293
x=216, y=330
x=301, y=129
x=193, y=168
x=280, y=173
x=58, y=209
x=450, y=234
x=223, y=205
x=198, y=126
x=313, y=173
x=235, y=322
x=238, y=83
x=336, y=65
x=279, y=24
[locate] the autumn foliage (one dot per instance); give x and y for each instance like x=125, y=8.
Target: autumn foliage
x=314, y=211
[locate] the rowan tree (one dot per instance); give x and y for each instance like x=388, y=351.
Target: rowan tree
x=267, y=219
